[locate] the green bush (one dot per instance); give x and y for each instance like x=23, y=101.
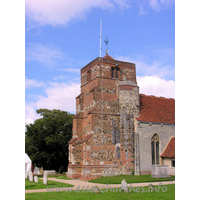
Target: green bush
x=133, y=171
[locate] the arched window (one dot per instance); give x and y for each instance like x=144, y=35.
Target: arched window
x=115, y=72
x=89, y=75
x=155, y=156
x=112, y=72
x=118, y=152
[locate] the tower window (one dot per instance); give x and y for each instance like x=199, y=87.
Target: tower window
x=117, y=72
x=114, y=72
x=118, y=152
x=88, y=75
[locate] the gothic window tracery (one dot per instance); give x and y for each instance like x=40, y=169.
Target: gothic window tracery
x=155, y=155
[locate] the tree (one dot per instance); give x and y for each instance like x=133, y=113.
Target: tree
x=46, y=140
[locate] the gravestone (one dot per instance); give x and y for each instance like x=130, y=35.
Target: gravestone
x=160, y=171
x=30, y=176
x=36, y=170
x=35, y=179
x=124, y=185
x=150, y=187
x=96, y=189
x=45, y=177
x=41, y=170
x=45, y=174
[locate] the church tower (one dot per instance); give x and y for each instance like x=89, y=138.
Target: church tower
x=103, y=127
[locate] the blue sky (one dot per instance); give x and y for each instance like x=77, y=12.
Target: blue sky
x=61, y=37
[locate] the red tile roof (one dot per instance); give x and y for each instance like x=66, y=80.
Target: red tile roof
x=72, y=140
x=169, y=151
x=156, y=109
x=108, y=57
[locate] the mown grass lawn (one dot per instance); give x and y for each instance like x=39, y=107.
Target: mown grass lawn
x=32, y=185
x=141, y=194
x=59, y=176
x=129, y=179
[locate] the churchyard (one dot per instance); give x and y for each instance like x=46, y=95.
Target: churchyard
x=122, y=190
x=41, y=181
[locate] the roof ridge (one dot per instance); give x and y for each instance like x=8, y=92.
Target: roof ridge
x=166, y=150
x=166, y=145
x=153, y=96
x=108, y=57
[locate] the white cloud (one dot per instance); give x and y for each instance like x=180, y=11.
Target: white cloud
x=46, y=55
x=62, y=96
x=142, y=10
x=58, y=96
x=167, y=3
x=61, y=77
x=74, y=70
x=157, y=77
x=153, y=85
x=31, y=83
x=159, y=67
x=156, y=5
x=61, y=12
x=30, y=113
